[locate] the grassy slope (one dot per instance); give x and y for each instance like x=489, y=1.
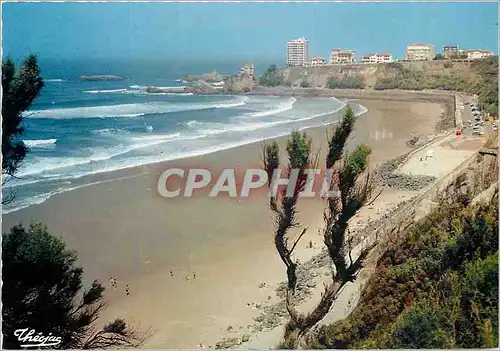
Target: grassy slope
x=435, y=286
x=479, y=77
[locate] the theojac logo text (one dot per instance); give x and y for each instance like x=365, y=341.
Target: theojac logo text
x=30, y=338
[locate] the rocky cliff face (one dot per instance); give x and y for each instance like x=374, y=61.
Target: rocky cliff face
x=237, y=84
x=212, y=77
x=232, y=84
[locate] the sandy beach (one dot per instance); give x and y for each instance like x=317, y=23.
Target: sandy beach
x=197, y=266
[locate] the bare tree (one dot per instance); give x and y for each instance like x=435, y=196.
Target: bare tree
x=353, y=183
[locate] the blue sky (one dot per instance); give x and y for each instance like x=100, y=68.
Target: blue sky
x=228, y=31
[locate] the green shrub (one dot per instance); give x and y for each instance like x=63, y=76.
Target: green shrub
x=435, y=286
x=304, y=84
x=346, y=82
x=272, y=77
x=421, y=327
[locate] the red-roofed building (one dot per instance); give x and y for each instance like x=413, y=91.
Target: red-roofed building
x=317, y=61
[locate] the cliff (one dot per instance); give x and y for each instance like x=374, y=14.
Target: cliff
x=371, y=74
x=241, y=83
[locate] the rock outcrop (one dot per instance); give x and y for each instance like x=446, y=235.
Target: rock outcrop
x=212, y=77
x=238, y=84
x=100, y=77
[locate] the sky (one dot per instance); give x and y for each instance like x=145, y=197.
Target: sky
x=230, y=31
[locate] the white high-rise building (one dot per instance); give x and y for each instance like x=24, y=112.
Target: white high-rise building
x=297, y=52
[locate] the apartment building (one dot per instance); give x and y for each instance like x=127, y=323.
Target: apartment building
x=381, y=57
x=341, y=56
x=450, y=51
x=419, y=52
x=317, y=61
x=297, y=52
x=478, y=54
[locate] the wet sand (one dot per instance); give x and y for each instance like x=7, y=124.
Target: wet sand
x=125, y=230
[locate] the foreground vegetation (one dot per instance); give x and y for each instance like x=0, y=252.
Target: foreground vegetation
x=435, y=286
x=351, y=179
x=42, y=288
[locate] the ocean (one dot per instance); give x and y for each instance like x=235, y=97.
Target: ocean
x=79, y=128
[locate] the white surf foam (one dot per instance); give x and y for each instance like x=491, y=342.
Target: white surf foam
x=152, y=138
x=39, y=142
x=49, y=164
x=132, y=110
x=133, y=162
x=104, y=91
x=208, y=128
x=282, y=107
x=193, y=123
x=53, y=80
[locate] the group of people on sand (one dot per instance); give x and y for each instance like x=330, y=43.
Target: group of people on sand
x=202, y=346
x=186, y=278
x=114, y=285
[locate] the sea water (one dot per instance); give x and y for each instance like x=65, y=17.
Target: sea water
x=79, y=128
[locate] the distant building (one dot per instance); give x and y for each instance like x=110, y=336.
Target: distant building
x=462, y=54
x=478, y=54
x=248, y=69
x=317, y=61
x=343, y=57
x=297, y=52
x=419, y=52
x=450, y=51
x=381, y=57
